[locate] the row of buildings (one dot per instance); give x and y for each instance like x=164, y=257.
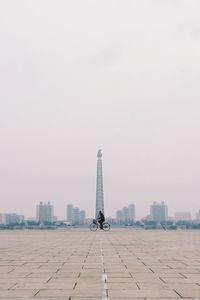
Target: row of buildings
x=158, y=213
x=45, y=214
x=10, y=218
x=75, y=216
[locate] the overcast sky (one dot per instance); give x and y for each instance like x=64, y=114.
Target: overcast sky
x=77, y=76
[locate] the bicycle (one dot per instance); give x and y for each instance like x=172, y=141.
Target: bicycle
x=95, y=225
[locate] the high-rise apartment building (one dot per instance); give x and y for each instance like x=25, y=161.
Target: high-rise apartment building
x=82, y=217
x=119, y=217
x=126, y=215
x=158, y=212
x=131, y=208
x=75, y=216
x=70, y=213
x=45, y=212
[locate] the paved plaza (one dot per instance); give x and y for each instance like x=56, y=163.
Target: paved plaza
x=82, y=265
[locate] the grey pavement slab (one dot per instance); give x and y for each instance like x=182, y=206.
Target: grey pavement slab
x=46, y=298
x=17, y=293
x=187, y=291
x=142, y=293
x=79, y=265
x=83, y=298
x=56, y=293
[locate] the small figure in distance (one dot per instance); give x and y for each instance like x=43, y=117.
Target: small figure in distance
x=101, y=219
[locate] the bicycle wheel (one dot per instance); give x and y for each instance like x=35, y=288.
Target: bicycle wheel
x=93, y=227
x=106, y=226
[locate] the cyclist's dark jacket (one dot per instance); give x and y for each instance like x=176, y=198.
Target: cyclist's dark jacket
x=101, y=217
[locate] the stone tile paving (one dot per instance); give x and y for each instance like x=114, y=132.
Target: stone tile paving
x=83, y=265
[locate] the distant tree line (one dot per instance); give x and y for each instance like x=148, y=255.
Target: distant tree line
x=145, y=224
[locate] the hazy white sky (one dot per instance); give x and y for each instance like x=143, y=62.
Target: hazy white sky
x=76, y=76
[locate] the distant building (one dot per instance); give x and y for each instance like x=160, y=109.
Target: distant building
x=158, y=212
x=55, y=218
x=1, y=219
x=119, y=217
x=31, y=219
x=182, y=216
x=11, y=218
x=111, y=220
x=70, y=213
x=82, y=217
x=198, y=216
x=146, y=218
x=75, y=216
x=131, y=208
x=45, y=213
x=126, y=215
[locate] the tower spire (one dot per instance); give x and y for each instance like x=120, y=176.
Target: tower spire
x=99, y=185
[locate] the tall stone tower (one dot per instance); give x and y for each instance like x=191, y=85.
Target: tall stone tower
x=99, y=186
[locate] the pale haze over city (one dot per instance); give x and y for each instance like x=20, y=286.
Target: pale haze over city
x=79, y=76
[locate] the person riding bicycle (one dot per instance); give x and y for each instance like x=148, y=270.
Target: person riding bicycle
x=101, y=219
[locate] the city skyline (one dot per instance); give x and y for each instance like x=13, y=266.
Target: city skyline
x=157, y=211
x=99, y=203
x=81, y=76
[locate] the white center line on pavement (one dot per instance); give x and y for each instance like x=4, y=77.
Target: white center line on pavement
x=104, y=278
